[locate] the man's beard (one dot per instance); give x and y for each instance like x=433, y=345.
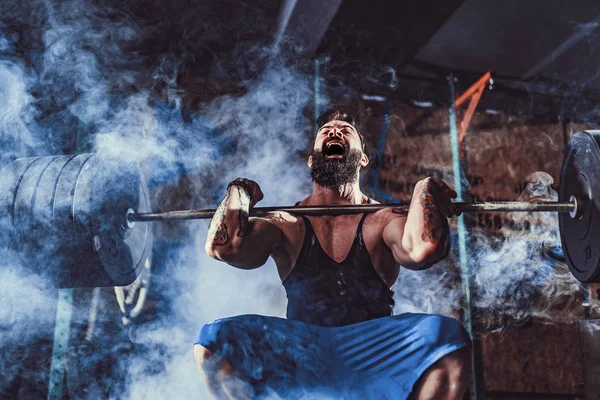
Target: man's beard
x=334, y=172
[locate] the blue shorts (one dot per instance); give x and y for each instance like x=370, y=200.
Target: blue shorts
x=377, y=359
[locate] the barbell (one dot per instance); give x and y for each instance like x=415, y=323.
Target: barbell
x=65, y=217
x=81, y=219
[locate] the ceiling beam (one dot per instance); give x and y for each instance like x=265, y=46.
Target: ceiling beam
x=305, y=22
x=580, y=33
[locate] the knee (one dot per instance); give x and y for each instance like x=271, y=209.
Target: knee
x=203, y=356
x=457, y=368
x=208, y=362
x=448, y=378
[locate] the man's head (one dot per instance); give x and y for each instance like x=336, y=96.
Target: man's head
x=337, y=115
x=338, y=151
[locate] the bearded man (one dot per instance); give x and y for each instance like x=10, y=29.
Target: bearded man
x=340, y=338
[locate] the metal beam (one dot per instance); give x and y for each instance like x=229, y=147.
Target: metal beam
x=580, y=34
x=305, y=22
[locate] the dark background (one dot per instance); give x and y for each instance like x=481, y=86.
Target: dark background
x=70, y=69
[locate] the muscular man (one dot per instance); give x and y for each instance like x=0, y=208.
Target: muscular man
x=340, y=337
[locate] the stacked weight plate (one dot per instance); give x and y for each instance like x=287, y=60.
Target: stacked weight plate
x=580, y=178
x=66, y=217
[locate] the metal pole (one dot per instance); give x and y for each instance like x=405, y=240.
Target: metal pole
x=375, y=171
x=477, y=385
x=62, y=331
x=494, y=206
x=317, y=88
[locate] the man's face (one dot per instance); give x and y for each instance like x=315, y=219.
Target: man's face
x=334, y=134
x=337, y=155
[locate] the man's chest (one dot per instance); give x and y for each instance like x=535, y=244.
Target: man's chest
x=336, y=236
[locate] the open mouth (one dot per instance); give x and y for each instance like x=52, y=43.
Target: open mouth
x=334, y=149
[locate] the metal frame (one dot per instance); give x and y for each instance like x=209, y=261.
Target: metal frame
x=473, y=94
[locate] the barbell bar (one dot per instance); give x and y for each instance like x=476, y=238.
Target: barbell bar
x=335, y=210
x=82, y=216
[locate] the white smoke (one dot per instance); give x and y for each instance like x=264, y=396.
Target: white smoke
x=81, y=77
x=514, y=277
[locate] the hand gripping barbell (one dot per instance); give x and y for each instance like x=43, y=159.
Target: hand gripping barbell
x=79, y=217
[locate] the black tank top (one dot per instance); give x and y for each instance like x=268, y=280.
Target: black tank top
x=321, y=291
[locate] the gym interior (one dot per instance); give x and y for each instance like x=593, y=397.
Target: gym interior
x=497, y=98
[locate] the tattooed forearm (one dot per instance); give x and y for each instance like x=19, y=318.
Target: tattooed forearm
x=434, y=223
x=221, y=237
x=244, y=211
x=217, y=231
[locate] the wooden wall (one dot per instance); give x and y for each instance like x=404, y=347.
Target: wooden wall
x=502, y=152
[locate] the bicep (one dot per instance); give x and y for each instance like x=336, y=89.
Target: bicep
x=393, y=237
x=260, y=241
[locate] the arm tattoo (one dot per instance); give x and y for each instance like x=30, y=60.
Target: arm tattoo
x=244, y=211
x=218, y=231
x=434, y=223
x=399, y=211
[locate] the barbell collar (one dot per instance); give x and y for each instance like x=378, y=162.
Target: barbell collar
x=334, y=210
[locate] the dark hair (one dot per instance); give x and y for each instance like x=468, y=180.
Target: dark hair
x=337, y=115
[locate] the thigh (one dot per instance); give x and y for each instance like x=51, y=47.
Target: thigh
x=266, y=350
x=394, y=351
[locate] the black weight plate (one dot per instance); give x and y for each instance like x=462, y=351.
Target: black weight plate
x=23, y=219
x=105, y=190
x=33, y=232
x=42, y=205
x=136, y=241
x=580, y=177
x=73, y=252
x=10, y=179
x=62, y=209
x=67, y=215
x=80, y=265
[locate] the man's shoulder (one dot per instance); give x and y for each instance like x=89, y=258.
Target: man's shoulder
x=385, y=215
x=288, y=223
x=282, y=217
